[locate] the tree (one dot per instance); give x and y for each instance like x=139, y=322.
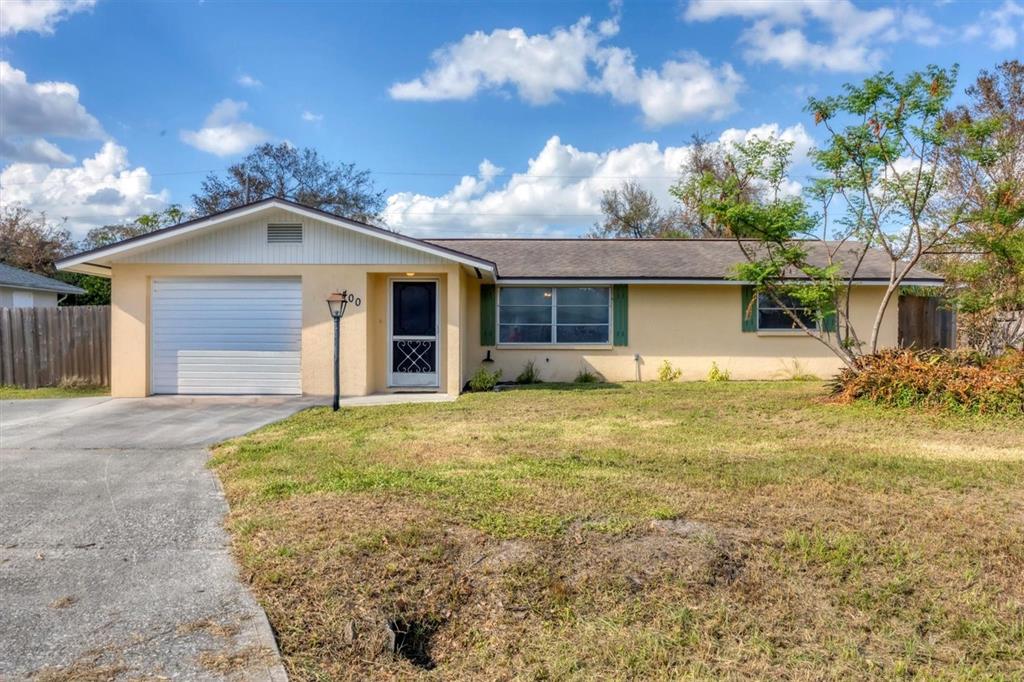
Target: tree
x=710, y=174
x=30, y=242
x=631, y=211
x=299, y=175
x=144, y=224
x=878, y=169
x=984, y=164
x=97, y=289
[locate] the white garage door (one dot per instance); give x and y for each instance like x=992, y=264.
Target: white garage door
x=234, y=335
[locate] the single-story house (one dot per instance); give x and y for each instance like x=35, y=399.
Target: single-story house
x=23, y=289
x=236, y=303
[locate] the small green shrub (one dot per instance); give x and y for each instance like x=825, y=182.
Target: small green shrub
x=483, y=380
x=956, y=380
x=585, y=376
x=718, y=374
x=530, y=374
x=668, y=373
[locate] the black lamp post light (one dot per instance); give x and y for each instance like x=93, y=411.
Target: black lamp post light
x=337, y=303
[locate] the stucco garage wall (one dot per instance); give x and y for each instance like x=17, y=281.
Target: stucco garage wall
x=689, y=325
x=360, y=367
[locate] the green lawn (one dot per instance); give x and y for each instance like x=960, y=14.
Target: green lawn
x=16, y=393
x=647, y=531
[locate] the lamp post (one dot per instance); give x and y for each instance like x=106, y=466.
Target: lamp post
x=336, y=303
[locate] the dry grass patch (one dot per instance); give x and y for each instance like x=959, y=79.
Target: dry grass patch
x=644, y=531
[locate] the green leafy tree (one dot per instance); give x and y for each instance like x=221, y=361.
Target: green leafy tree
x=299, y=175
x=877, y=187
x=885, y=141
x=984, y=164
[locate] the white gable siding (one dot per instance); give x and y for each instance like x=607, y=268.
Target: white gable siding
x=245, y=242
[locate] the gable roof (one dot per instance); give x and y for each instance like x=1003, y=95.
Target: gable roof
x=86, y=261
x=650, y=259
x=17, y=278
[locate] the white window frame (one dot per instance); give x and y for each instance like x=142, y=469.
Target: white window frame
x=554, y=316
x=813, y=326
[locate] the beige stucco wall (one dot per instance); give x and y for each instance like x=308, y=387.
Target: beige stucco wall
x=363, y=329
x=689, y=325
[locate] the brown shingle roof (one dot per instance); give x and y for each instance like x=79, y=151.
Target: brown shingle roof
x=684, y=259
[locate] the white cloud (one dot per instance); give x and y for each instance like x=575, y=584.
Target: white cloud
x=247, y=81
x=681, y=90
x=310, y=117
x=43, y=108
x=104, y=189
x=854, y=38
x=540, y=67
x=560, y=191
x=223, y=133
x=1001, y=27
x=36, y=150
x=40, y=16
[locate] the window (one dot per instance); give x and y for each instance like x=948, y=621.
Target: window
x=284, y=234
x=773, y=317
x=554, y=315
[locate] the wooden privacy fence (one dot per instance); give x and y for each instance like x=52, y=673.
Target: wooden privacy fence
x=47, y=346
x=924, y=323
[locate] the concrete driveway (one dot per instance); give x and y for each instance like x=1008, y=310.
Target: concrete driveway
x=113, y=559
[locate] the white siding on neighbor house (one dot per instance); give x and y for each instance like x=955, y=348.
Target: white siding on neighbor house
x=227, y=335
x=245, y=242
x=26, y=298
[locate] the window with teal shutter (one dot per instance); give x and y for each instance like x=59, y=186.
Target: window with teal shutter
x=748, y=311
x=829, y=323
x=488, y=315
x=620, y=306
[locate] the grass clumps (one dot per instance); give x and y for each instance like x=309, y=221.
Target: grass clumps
x=585, y=376
x=483, y=380
x=685, y=530
x=65, y=390
x=529, y=374
x=958, y=381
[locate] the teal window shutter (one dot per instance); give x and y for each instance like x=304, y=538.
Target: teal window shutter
x=488, y=314
x=829, y=322
x=748, y=309
x=620, y=306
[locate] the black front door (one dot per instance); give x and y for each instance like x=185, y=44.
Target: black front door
x=413, y=333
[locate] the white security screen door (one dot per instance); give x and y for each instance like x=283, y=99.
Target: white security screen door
x=413, y=345
x=226, y=335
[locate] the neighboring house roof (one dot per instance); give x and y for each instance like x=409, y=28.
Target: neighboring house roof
x=86, y=261
x=651, y=259
x=23, y=279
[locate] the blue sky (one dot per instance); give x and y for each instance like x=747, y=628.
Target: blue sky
x=501, y=118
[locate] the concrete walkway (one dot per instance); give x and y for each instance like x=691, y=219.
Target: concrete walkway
x=113, y=560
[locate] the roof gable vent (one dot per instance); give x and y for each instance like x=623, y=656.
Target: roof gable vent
x=284, y=234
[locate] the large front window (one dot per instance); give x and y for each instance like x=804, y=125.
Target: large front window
x=773, y=317
x=554, y=315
